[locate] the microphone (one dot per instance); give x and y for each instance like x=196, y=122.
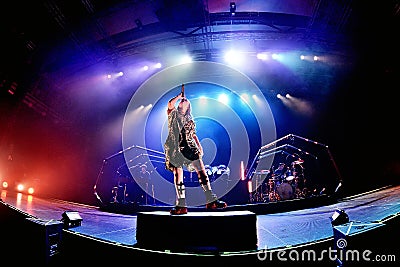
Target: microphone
x=183, y=90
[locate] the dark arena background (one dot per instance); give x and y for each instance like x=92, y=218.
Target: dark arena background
x=306, y=84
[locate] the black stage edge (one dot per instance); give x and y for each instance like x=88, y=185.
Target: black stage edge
x=79, y=248
x=205, y=232
x=259, y=208
x=27, y=239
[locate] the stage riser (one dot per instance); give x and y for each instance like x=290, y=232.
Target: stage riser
x=197, y=231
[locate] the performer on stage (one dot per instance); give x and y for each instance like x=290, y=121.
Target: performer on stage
x=182, y=148
x=145, y=183
x=280, y=172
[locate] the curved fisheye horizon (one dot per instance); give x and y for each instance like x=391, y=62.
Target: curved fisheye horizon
x=199, y=131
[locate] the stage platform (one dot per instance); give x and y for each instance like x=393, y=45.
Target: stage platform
x=34, y=224
x=197, y=231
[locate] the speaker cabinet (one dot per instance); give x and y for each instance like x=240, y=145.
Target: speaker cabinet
x=42, y=240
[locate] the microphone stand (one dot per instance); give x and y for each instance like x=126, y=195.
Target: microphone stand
x=102, y=170
x=105, y=160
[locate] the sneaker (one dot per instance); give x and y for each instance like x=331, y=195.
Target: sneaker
x=178, y=210
x=216, y=204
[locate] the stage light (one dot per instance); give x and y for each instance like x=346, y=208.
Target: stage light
x=20, y=187
x=242, y=175
x=262, y=56
x=186, y=59
x=249, y=186
x=338, y=187
x=31, y=190
x=234, y=57
x=71, y=219
x=223, y=98
x=339, y=217
x=232, y=8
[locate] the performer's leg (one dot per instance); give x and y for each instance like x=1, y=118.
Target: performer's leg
x=211, y=198
x=180, y=207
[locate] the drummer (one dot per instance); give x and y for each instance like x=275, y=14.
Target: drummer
x=280, y=172
x=298, y=172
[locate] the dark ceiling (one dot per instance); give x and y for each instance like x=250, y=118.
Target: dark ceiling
x=52, y=35
x=48, y=42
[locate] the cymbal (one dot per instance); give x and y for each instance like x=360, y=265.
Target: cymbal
x=262, y=172
x=298, y=162
x=289, y=178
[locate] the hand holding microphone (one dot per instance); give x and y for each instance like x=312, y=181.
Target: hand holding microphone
x=183, y=90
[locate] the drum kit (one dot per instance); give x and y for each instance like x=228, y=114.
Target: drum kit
x=283, y=185
x=280, y=188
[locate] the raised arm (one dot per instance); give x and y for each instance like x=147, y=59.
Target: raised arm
x=172, y=101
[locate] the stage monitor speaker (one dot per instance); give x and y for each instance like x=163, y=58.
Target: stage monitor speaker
x=339, y=217
x=71, y=219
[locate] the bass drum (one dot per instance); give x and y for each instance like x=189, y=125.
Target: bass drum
x=285, y=191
